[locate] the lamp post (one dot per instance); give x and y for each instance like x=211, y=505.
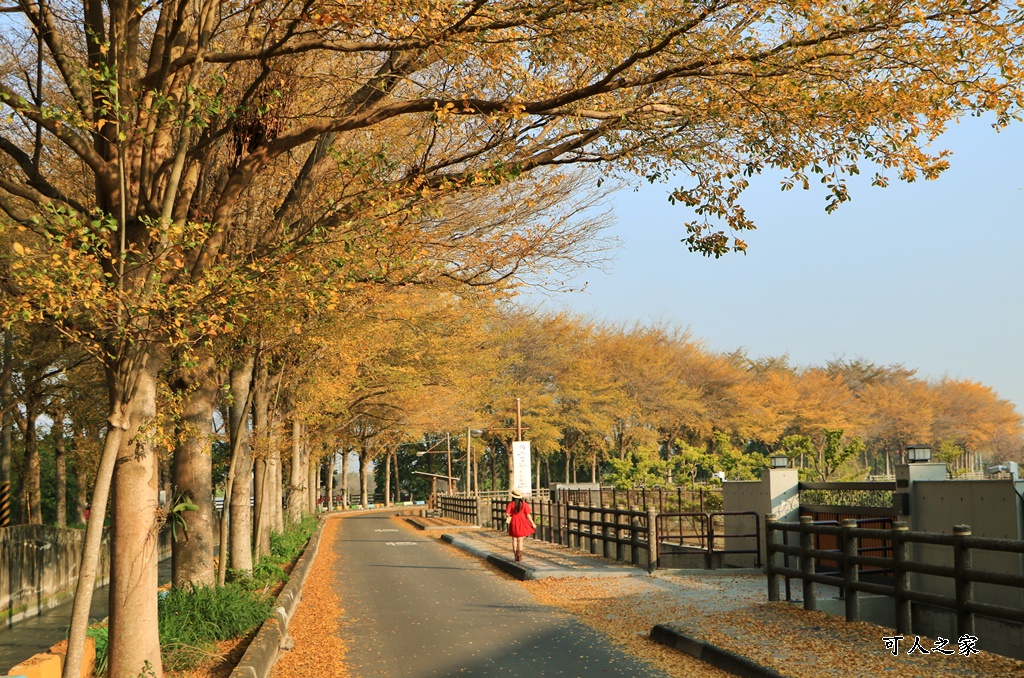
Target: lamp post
x=779, y=461
x=919, y=453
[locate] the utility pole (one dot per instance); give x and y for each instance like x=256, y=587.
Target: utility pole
x=519, y=421
x=448, y=442
x=469, y=457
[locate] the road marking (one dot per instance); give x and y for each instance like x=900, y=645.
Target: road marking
x=385, y=530
x=401, y=543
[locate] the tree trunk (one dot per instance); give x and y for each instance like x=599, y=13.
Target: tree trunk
x=330, y=482
x=94, y=534
x=295, y=488
x=241, y=490
x=398, y=485
x=31, y=489
x=261, y=508
x=277, y=484
x=387, y=479
x=262, y=476
x=312, y=479
x=345, y=499
x=364, y=477
x=192, y=552
x=134, y=641
x=81, y=494
x=60, y=462
x=494, y=469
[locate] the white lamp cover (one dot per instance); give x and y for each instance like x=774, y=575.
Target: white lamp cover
x=779, y=461
x=919, y=452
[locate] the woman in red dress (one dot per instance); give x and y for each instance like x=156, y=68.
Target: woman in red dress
x=520, y=522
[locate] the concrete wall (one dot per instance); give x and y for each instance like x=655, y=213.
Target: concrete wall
x=776, y=493
x=992, y=509
x=39, y=568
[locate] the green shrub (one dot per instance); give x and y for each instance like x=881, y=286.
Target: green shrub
x=286, y=546
x=192, y=619
x=99, y=636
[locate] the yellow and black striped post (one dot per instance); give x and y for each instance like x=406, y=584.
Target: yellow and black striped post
x=5, y=504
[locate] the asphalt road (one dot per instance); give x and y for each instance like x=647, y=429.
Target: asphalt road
x=415, y=607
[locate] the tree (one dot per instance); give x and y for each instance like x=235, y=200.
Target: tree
x=180, y=113
x=827, y=458
x=897, y=412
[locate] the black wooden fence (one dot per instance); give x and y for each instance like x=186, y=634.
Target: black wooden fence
x=851, y=564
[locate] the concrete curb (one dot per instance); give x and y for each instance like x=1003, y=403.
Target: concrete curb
x=260, y=656
x=50, y=664
x=419, y=524
x=738, y=665
x=524, y=572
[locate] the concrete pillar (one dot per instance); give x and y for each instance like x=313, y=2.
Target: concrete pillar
x=778, y=493
x=903, y=498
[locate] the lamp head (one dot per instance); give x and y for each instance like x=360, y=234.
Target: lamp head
x=919, y=453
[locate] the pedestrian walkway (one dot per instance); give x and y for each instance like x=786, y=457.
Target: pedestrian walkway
x=541, y=560
x=724, y=618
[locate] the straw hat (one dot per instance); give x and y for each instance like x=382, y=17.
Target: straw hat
x=516, y=494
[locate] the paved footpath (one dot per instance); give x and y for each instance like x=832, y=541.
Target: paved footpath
x=415, y=609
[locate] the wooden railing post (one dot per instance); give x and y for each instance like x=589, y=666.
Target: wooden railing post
x=900, y=558
x=771, y=540
x=607, y=532
x=591, y=529
x=652, y=540
x=634, y=538
x=850, y=574
x=807, y=562
x=558, y=522
x=619, y=546
x=964, y=586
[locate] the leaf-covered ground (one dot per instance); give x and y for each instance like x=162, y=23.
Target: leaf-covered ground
x=780, y=635
x=316, y=625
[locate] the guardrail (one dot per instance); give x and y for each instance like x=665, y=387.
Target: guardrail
x=964, y=576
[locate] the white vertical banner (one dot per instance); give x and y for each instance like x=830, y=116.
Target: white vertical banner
x=521, y=478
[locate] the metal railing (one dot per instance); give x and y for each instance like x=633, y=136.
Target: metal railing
x=755, y=535
x=704, y=532
x=962, y=573
x=677, y=529
x=663, y=499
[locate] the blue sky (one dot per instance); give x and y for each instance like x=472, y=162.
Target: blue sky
x=926, y=274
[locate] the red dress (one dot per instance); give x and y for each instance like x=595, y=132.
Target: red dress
x=518, y=524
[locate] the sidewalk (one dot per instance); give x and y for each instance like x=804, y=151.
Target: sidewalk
x=722, y=617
